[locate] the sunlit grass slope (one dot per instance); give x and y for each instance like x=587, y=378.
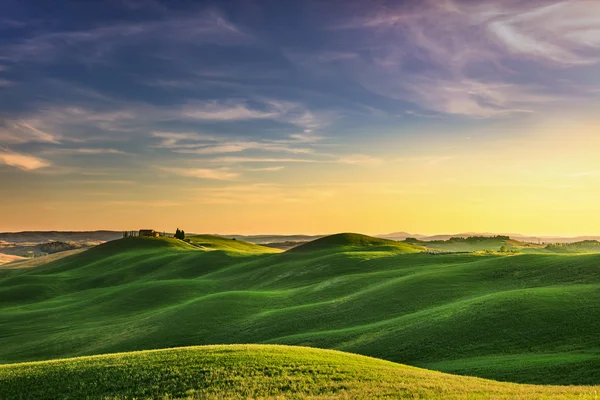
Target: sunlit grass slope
x=355, y=241
x=531, y=318
x=480, y=243
x=253, y=371
x=209, y=242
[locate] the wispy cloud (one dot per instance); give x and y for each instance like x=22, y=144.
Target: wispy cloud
x=234, y=160
x=22, y=161
x=204, y=173
x=265, y=169
x=224, y=111
x=234, y=110
x=566, y=32
x=462, y=57
x=195, y=143
x=84, y=151
x=306, y=137
x=24, y=132
x=360, y=159
x=95, y=44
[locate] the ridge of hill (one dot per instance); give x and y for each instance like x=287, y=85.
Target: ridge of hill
x=211, y=242
x=478, y=243
x=355, y=241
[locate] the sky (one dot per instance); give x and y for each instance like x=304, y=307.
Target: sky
x=433, y=116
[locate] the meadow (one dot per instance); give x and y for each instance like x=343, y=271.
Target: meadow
x=526, y=318
x=253, y=372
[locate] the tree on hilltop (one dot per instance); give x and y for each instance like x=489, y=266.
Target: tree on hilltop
x=179, y=234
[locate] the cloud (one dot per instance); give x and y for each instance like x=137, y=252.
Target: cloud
x=476, y=98
x=5, y=83
x=236, y=147
x=182, y=140
x=20, y=131
x=306, y=137
x=265, y=108
x=195, y=143
x=278, y=168
x=21, y=161
x=224, y=111
x=566, y=32
x=464, y=57
x=96, y=44
x=204, y=173
x=360, y=159
x=234, y=160
x=84, y=151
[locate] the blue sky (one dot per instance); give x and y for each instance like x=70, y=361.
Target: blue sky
x=235, y=99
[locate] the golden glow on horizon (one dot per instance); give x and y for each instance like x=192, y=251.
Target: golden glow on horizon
x=538, y=184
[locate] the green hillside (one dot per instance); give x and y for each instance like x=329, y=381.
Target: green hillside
x=209, y=242
x=252, y=371
x=532, y=318
x=478, y=243
x=355, y=241
x=586, y=246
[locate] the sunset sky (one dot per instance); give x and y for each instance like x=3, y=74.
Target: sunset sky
x=438, y=116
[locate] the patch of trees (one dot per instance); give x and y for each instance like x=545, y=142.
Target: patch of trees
x=471, y=239
x=180, y=234
x=506, y=249
x=57, y=247
x=583, y=246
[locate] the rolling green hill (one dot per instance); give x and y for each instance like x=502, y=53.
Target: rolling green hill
x=355, y=241
x=209, y=242
x=531, y=318
x=479, y=243
x=252, y=371
x=586, y=246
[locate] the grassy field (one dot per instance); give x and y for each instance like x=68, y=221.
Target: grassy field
x=253, y=371
x=530, y=318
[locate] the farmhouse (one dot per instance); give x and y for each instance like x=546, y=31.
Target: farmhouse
x=148, y=233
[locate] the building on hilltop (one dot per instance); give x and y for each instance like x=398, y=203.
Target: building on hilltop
x=148, y=233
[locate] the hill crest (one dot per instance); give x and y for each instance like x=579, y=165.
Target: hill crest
x=352, y=240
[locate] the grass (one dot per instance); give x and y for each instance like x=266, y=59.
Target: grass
x=349, y=241
x=209, y=242
x=529, y=318
x=252, y=371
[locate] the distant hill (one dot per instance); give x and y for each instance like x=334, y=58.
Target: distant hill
x=586, y=246
x=264, y=239
x=516, y=236
x=497, y=243
x=58, y=236
x=355, y=241
x=401, y=236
